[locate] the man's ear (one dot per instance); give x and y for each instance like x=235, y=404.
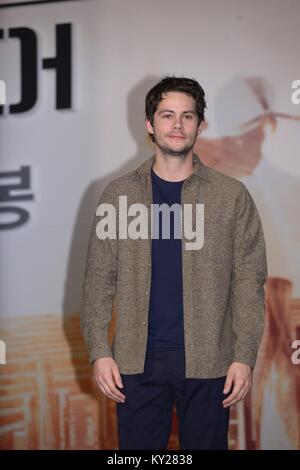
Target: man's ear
x=203, y=125
x=149, y=127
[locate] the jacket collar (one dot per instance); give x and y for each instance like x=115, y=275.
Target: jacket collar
x=145, y=168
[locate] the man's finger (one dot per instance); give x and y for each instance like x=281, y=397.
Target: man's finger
x=228, y=383
x=109, y=388
x=117, y=377
x=240, y=395
x=110, y=393
x=104, y=389
x=236, y=390
x=245, y=391
x=108, y=381
x=113, y=389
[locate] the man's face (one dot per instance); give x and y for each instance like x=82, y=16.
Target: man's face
x=175, y=126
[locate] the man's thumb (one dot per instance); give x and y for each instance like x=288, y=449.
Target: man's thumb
x=228, y=384
x=118, y=378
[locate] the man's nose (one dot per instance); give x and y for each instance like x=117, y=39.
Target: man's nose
x=177, y=123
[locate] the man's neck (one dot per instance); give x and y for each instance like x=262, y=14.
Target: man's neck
x=172, y=168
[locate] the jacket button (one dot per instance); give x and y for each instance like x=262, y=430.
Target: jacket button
x=145, y=323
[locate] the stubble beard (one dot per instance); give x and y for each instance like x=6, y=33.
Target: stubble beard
x=168, y=151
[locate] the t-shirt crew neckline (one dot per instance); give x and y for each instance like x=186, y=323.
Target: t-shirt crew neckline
x=165, y=181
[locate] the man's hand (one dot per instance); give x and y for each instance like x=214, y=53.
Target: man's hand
x=107, y=377
x=240, y=376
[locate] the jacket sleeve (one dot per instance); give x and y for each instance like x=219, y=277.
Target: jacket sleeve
x=98, y=288
x=249, y=274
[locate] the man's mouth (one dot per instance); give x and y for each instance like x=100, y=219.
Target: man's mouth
x=176, y=136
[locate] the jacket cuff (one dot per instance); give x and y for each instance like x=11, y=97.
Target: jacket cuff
x=248, y=359
x=99, y=352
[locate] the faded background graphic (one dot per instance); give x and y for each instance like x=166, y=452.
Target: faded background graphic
x=76, y=76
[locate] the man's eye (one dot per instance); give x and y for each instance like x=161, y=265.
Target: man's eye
x=188, y=116
x=167, y=116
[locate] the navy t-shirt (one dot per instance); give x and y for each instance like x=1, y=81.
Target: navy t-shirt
x=165, y=319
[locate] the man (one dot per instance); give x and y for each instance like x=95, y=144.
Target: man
x=189, y=319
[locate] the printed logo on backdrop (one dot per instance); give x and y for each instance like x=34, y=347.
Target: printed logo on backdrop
x=12, y=3
x=295, y=98
x=18, y=3
x=2, y=352
x=15, y=183
x=29, y=67
x=2, y=92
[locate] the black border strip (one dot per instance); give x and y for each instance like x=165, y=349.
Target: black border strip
x=32, y=2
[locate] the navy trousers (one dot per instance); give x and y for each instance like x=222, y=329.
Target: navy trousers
x=144, y=420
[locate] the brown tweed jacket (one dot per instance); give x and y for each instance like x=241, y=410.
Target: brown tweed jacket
x=223, y=282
